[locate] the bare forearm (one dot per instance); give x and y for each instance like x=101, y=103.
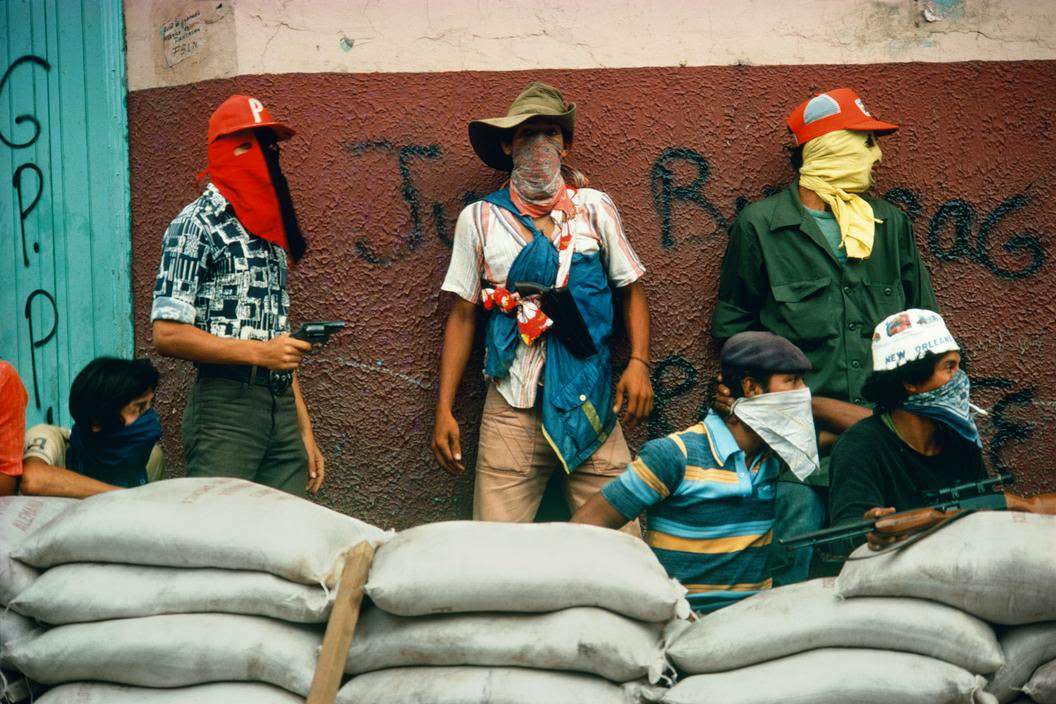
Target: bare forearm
x=42, y=479
x=185, y=341
x=458, y=342
x=304, y=421
x=837, y=416
x=597, y=511
x=636, y=319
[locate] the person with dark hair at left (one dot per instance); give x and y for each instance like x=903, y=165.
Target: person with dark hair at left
x=922, y=436
x=709, y=489
x=113, y=443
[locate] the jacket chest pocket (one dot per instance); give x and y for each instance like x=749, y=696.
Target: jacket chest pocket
x=878, y=301
x=803, y=311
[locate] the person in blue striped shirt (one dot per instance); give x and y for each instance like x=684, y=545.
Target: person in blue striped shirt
x=708, y=491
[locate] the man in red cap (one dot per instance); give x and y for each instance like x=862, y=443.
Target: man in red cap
x=220, y=301
x=821, y=263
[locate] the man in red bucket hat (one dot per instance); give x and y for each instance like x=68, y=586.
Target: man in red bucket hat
x=821, y=263
x=220, y=301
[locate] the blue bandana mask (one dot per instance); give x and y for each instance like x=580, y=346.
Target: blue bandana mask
x=117, y=457
x=947, y=404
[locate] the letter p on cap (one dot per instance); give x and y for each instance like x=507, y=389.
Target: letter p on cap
x=256, y=107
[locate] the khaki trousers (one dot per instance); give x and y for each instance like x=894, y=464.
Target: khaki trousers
x=514, y=463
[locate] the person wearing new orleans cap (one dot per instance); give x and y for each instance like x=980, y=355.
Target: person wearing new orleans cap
x=922, y=435
x=550, y=402
x=821, y=263
x=220, y=301
x=709, y=489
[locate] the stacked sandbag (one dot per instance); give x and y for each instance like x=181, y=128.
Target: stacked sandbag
x=1041, y=687
x=182, y=583
x=997, y=565
x=497, y=612
x=1026, y=649
x=803, y=643
x=19, y=517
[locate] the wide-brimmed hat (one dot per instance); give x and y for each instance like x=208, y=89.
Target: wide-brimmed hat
x=537, y=100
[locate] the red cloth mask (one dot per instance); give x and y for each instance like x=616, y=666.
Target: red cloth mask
x=246, y=181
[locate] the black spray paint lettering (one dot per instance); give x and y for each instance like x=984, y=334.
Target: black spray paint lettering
x=23, y=209
x=404, y=156
x=31, y=119
x=668, y=191
x=1006, y=429
x=959, y=216
x=36, y=343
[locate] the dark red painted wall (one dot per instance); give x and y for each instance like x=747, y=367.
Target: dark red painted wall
x=381, y=166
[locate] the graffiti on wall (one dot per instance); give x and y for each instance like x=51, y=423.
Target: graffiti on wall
x=40, y=333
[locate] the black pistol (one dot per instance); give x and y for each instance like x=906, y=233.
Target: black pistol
x=318, y=332
x=559, y=305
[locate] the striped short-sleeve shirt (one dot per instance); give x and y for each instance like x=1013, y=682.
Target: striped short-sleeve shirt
x=488, y=239
x=710, y=516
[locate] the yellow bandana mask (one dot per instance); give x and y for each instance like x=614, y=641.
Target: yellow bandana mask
x=837, y=166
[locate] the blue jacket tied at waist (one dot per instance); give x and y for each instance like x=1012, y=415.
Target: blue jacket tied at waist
x=577, y=393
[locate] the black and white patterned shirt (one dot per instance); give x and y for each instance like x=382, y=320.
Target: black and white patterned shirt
x=216, y=276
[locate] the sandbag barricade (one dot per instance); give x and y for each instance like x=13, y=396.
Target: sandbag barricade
x=80, y=592
x=582, y=639
x=159, y=590
x=526, y=612
x=483, y=685
x=800, y=617
x=179, y=523
x=466, y=566
x=20, y=516
x=997, y=565
x=221, y=693
x=1026, y=649
x=837, y=676
x=1042, y=684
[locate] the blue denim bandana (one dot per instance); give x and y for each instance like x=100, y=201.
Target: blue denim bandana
x=947, y=404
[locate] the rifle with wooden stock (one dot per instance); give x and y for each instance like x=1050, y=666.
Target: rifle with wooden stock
x=946, y=504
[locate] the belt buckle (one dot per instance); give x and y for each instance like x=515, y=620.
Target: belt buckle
x=279, y=382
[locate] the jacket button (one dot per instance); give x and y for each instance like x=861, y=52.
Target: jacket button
x=856, y=364
x=582, y=397
x=847, y=290
x=887, y=291
x=851, y=326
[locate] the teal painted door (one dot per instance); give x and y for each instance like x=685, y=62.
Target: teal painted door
x=65, y=254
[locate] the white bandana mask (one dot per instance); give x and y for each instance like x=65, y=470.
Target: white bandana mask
x=785, y=422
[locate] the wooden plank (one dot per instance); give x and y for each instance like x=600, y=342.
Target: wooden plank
x=342, y=625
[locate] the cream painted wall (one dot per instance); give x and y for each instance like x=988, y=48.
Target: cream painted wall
x=293, y=36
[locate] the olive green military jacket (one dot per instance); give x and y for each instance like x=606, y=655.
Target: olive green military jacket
x=780, y=274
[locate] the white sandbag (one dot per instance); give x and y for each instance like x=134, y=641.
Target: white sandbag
x=213, y=522
x=582, y=639
x=836, y=676
x=807, y=616
x=997, y=565
x=14, y=626
x=482, y=685
x=96, y=591
x=1042, y=684
x=173, y=651
x=220, y=693
x=461, y=566
x=1026, y=648
x=20, y=516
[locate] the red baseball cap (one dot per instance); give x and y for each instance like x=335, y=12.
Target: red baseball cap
x=241, y=112
x=839, y=109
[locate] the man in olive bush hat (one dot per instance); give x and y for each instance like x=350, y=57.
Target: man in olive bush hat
x=550, y=396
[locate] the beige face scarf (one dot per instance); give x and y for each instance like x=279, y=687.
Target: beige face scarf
x=837, y=166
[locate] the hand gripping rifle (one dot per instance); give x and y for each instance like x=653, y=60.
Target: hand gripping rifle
x=946, y=503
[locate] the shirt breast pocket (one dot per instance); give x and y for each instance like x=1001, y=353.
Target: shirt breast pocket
x=803, y=311
x=880, y=301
